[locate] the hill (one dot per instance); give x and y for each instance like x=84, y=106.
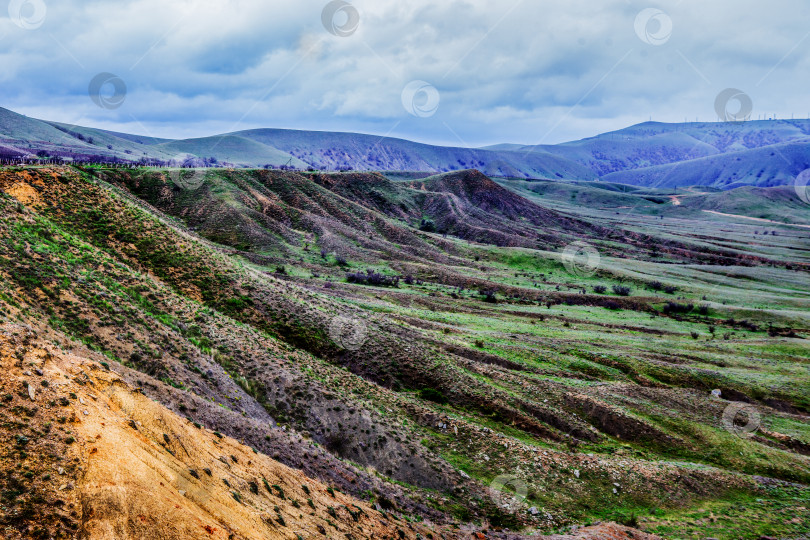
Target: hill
x=767, y=166
x=336, y=151
x=437, y=385
x=720, y=155
x=653, y=143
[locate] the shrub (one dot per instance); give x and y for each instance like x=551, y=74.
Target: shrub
x=599, y=289
x=621, y=290
x=656, y=285
x=427, y=226
x=370, y=277
x=490, y=296
x=431, y=394
x=610, y=304
x=695, y=335
x=670, y=289
x=674, y=307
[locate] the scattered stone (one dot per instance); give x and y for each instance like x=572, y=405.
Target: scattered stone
x=31, y=392
x=576, y=473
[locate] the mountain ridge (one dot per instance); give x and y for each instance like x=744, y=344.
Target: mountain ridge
x=641, y=154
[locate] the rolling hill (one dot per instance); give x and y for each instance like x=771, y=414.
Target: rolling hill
x=723, y=155
x=766, y=166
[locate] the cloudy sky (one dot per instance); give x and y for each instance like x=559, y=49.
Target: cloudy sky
x=527, y=71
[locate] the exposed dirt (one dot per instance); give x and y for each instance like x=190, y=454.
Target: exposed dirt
x=136, y=470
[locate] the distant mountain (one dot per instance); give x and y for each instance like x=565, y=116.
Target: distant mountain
x=653, y=143
x=762, y=167
x=722, y=155
x=21, y=137
x=334, y=151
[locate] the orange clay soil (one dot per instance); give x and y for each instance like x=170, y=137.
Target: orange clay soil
x=110, y=463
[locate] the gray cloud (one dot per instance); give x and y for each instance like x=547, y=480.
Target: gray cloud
x=519, y=71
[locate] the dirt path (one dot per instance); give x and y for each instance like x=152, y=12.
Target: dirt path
x=762, y=220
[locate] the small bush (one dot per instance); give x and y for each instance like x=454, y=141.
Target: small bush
x=621, y=290
x=599, y=289
x=490, y=297
x=673, y=307
x=370, y=277
x=427, y=226
x=431, y=394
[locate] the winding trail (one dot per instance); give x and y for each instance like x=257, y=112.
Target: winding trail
x=762, y=220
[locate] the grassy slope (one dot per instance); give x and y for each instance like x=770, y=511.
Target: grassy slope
x=240, y=151
x=537, y=382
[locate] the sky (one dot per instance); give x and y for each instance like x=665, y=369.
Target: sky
x=455, y=72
